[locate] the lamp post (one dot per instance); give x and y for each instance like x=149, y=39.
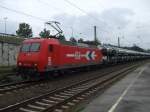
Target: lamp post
x=5, y=18
x=119, y=36
x=71, y=31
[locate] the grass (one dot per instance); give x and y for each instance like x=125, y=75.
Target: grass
x=11, y=40
x=5, y=71
x=3, y=76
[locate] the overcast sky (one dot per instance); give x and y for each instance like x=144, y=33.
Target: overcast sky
x=128, y=19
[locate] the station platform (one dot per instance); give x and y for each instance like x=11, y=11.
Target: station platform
x=131, y=94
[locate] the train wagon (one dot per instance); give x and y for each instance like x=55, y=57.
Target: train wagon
x=39, y=55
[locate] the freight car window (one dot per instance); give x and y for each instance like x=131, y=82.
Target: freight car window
x=35, y=47
x=50, y=48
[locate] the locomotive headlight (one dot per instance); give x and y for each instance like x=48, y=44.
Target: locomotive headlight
x=35, y=64
x=19, y=63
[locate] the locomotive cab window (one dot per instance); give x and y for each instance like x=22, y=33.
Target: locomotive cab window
x=30, y=47
x=50, y=48
x=35, y=47
x=25, y=48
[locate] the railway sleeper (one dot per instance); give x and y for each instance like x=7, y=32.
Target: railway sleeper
x=67, y=94
x=56, y=99
x=49, y=101
x=58, y=110
x=43, y=104
x=61, y=96
x=36, y=107
x=26, y=110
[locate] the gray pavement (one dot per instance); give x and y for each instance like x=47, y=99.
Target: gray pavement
x=131, y=94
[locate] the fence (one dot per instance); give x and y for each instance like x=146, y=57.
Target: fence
x=9, y=47
x=7, y=35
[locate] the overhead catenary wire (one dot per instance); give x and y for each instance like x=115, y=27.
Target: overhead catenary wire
x=85, y=12
x=82, y=10
x=74, y=5
x=47, y=4
x=26, y=14
x=101, y=5
x=22, y=13
x=38, y=18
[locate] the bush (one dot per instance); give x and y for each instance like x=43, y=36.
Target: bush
x=11, y=40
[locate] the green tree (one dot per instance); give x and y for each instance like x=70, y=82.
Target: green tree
x=80, y=40
x=137, y=48
x=24, y=30
x=72, y=39
x=45, y=33
x=97, y=42
x=61, y=37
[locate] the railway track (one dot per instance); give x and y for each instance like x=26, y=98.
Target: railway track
x=13, y=87
x=65, y=99
x=7, y=88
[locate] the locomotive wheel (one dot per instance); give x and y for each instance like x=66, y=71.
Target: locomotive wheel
x=55, y=74
x=25, y=77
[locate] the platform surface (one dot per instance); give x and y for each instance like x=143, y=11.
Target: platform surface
x=131, y=94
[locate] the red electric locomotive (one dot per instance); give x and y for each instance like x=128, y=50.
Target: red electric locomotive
x=43, y=55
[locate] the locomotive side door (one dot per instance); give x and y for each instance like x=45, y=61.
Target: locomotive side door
x=53, y=54
x=50, y=55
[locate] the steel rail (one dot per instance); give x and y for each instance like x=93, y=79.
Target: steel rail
x=57, y=99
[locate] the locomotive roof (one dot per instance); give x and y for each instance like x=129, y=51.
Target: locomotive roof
x=33, y=40
x=64, y=42
x=57, y=41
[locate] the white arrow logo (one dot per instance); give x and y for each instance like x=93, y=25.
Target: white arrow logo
x=90, y=55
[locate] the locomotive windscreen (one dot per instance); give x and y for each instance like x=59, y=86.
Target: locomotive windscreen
x=30, y=47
